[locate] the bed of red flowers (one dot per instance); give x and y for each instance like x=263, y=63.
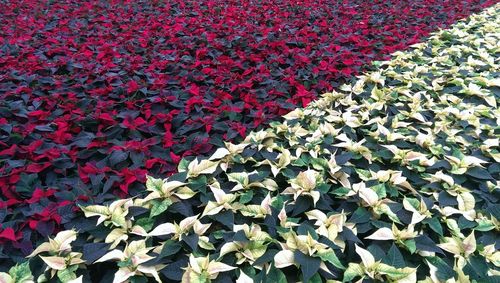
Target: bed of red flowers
x=94, y=94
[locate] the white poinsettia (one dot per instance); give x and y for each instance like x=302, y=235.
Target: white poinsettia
x=177, y=231
x=222, y=201
x=330, y=225
x=305, y=184
x=459, y=247
x=57, y=253
x=202, y=269
x=112, y=215
x=251, y=250
x=132, y=258
x=377, y=270
x=307, y=245
x=165, y=189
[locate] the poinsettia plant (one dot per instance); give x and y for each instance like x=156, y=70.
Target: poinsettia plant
x=344, y=190
x=95, y=94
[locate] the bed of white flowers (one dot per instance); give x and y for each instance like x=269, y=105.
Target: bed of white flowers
x=393, y=178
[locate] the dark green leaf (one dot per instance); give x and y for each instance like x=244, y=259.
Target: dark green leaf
x=94, y=251
x=170, y=247
x=246, y=197
x=424, y=243
x=434, y=225
x=476, y=268
x=360, y=215
x=274, y=276
x=266, y=257
x=308, y=265
x=394, y=257
x=444, y=271
x=479, y=173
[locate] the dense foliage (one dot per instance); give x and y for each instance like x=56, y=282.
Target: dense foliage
x=393, y=178
x=94, y=94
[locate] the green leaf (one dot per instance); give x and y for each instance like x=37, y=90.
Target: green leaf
x=21, y=272
x=170, y=247
x=239, y=177
x=425, y=243
x=27, y=184
x=353, y=270
x=246, y=197
x=198, y=184
x=332, y=258
x=394, y=257
x=305, y=229
x=479, y=173
x=319, y=163
x=414, y=203
x=159, y=207
x=342, y=191
x=65, y=275
x=444, y=271
x=278, y=202
x=146, y=223
x=410, y=245
x=308, y=265
x=183, y=165
x=126, y=263
x=484, y=225
x=316, y=279
x=434, y=225
x=380, y=190
x=138, y=279
x=476, y=268
x=274, y=276
x=153, y=183
x=360, y=215
x=394, y=273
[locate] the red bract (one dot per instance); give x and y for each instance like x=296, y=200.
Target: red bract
x=93, y=93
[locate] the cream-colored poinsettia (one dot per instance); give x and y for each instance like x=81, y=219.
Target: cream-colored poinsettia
x=395, y=234
x=491, y=254
x=112, y=215
x=254, y=210
x=461, y=165
x=202, y=269
x=459, y=247
x=283, y=218
x=330, y=225
x=307, y=245
x=305, y=184
x=405, y=156
x=165, y=189
x=284, y=159
x=377, y=270
x=222, y=201
x=132, y=260
x=176, y=230
x=369, y=198
x=417, y=208
x=251, y=250
x=355, y=147
x=391, y=177
x=242, y=180
x=58, y=255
